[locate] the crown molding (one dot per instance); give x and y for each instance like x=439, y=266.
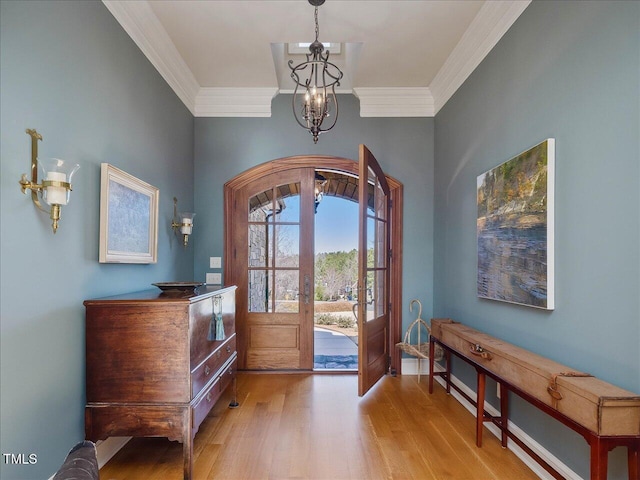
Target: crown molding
x=395, y=102
x=487, y=28
x=490, y=24
x=234, y=102
x=144, y=28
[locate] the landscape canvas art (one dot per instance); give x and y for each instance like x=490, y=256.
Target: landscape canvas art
x=515, y=229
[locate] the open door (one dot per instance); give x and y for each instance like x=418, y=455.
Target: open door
x=373, y=273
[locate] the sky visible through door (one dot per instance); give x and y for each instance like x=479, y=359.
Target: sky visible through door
x=336, y=225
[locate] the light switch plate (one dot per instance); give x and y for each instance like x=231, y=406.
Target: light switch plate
x=214, y=278
x=215, y=262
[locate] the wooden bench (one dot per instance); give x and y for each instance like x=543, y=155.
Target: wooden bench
x=605, y=415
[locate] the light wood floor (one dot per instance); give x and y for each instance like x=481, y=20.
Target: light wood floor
x=316, y=427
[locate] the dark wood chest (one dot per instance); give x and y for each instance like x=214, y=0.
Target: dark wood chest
x=157, y=363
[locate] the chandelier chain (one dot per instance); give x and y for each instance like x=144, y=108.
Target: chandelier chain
x=317, y=28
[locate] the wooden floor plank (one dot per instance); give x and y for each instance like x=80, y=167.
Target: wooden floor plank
x=316, y=427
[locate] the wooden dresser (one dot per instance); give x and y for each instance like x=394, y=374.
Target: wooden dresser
x=154, y=365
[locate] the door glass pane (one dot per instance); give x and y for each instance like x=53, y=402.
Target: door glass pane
x=260, y=245
x=288, y=203
x=260, y=205
x=260, y=286
x=381, y=308
x=287, y=238
x=371, y=242
x=369, y=296
x=371, y=192
x=381, y=245
x=287, y=291
x=380, y=202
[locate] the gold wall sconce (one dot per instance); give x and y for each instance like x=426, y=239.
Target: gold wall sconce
x=182, y=221
x=56, y=184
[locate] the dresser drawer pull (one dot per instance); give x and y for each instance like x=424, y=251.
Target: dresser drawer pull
x=231, y=371
x=219, y=353
x=228, y=348
x=209, y=397
x=207, y=370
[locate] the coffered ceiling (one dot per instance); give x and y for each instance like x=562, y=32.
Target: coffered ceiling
x=399, y=57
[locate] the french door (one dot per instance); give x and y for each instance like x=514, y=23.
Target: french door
x=373, y=273
x=269, y=255
x=274, y=271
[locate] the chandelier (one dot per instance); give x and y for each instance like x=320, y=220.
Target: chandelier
x=315, y=93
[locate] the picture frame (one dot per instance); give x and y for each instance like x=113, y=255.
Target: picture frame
x=515, y=229
x=128, y=218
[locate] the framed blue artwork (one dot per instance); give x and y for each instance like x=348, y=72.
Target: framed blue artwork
x=128, y=218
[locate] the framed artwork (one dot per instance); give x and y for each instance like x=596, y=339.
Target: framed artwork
x=128, y=218
x=515, y=229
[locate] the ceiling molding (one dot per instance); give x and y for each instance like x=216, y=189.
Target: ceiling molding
x=144, y=28
x=490, y=24
x=487, y=28
x=234, y=102
x=395, y=102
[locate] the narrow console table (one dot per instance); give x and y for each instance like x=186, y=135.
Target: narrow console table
x=613, y=420
x=158, y=362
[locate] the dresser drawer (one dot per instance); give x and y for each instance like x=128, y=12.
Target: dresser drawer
x=209, y=368
x=228, y=375
x=209, y=398
x=206, y=402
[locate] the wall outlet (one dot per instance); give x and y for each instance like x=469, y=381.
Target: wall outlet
x=214, y=279
x=215, y=262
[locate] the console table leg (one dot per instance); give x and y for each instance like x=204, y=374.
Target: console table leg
x=447, y=359
x=504, y=413
x=432, y=350
x=480, y=407
x=599, y=459
x=634, y=461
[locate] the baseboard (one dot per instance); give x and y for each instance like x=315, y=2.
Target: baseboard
x=410, y=367
x=106, y=449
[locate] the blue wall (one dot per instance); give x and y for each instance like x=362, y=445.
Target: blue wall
x=568, y=70
x=69, y=70
x=225, y=147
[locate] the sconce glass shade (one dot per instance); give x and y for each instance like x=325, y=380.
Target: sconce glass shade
x=186, y=220
x=56, y=177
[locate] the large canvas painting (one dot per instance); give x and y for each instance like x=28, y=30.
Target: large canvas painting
x=128, y=218
x=515, y=229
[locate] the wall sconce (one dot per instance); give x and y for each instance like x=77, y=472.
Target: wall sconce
x=182, y=221
x=56, y=186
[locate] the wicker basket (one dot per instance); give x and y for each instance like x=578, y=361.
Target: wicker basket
x=421, y=349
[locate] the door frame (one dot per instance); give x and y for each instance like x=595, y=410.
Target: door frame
x=321, y=162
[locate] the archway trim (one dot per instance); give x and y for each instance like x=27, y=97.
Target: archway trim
x=339, y=164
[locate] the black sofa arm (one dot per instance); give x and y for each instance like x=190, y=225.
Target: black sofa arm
x=81, y=463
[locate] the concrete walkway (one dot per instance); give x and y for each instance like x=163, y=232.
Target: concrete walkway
x=333, y=350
